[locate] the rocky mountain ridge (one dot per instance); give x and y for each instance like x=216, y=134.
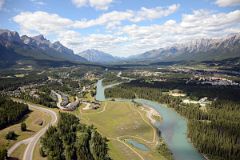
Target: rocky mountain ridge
x=200, y=49
x=37, y=47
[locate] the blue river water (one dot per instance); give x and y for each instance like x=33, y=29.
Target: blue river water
x=100, y=96
x=173, y=128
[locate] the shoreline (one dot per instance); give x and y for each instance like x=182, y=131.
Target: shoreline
x=152, y=120
x=166, y=105
x=150, y=113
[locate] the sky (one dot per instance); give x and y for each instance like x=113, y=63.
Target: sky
x=121, y=27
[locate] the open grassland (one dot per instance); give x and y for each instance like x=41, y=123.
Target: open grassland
x=119, y=151
x=36, y=153
x=18, y=153
x=119, y=121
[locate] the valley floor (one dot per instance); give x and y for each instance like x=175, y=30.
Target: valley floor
x=120, y=122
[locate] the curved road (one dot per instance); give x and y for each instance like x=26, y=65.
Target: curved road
x=59, y=97
x=69, y=105
x=32, y=141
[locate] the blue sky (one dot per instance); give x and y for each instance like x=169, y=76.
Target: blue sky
x=121, y=27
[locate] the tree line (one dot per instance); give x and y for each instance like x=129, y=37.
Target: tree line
x=11, y=112
x=71, y=140
x=15, y=82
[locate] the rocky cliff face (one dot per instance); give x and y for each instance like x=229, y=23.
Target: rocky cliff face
x=37, y=47
x=7, y=37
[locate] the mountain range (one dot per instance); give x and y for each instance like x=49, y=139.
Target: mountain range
x=22, y=50
x=195, y=50
x=14, y=48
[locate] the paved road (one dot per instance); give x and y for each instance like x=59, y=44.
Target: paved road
x=59, y=97
x=28, y=154
x=16, y=145
x=69, y=106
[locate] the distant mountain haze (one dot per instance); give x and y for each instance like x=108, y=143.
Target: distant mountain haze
x=97, y=56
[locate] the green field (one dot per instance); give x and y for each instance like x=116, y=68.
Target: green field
x=119, y=121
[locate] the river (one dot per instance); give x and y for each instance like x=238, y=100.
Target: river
x=173, y=127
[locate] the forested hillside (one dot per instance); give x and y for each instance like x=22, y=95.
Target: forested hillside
x=214, y=132
x=11, y=112
x=72, y=140
x=15, y=82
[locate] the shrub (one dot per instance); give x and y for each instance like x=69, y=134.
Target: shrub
x=42, y=153
x=11, y=135
x=23, y=126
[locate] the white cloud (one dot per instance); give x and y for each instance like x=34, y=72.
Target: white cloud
x=1, y=4
x=200, y=24
x=46, y=22
x=116, y=17
x=154, y=13
x=97, y=4
x=38, y=2
x=205, y=19
x=41, y=22
x=104, y=42
x=80, y=3
x=129, y=39
x=100, y=4
x=133, y=39
x=226, y=3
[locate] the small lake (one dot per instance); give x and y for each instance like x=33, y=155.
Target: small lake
x=137, y=145
x=173, y=128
